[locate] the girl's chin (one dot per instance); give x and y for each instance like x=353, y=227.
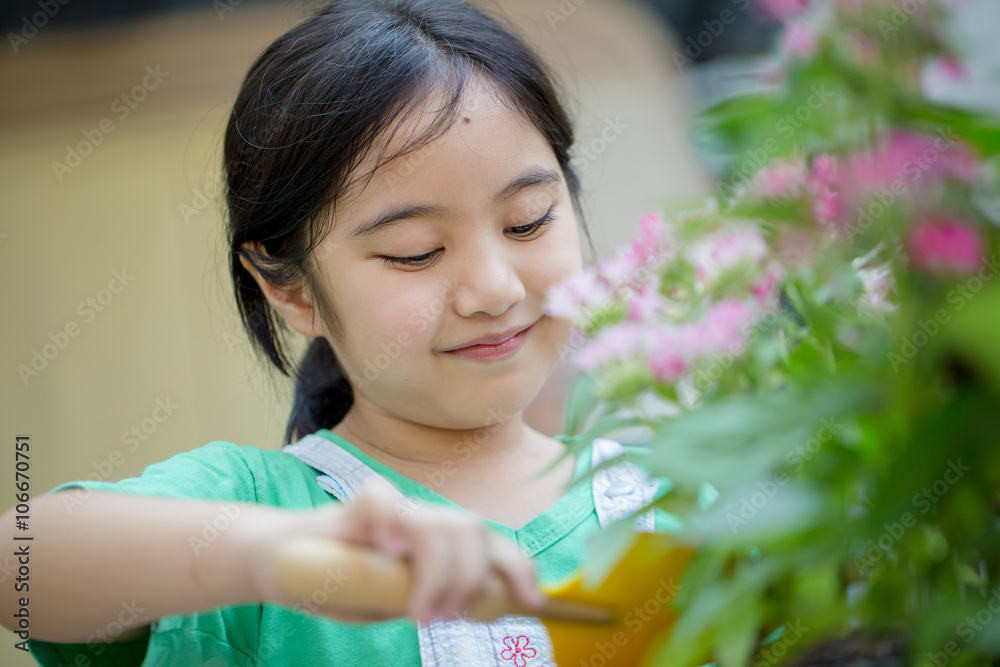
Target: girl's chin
x=489, y=403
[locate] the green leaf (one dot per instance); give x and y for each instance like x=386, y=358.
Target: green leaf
x=605, y=549
x=579, y=405
x=742, y=437
x=974, y=332
x=751, y=515
x=980, y=130
x=738, y=633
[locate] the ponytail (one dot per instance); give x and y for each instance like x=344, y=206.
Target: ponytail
x=322, y=393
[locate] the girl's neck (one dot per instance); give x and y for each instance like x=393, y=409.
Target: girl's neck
x=492, y=472
x=408, y=446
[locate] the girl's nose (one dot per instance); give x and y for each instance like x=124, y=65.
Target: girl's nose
x=488, y=282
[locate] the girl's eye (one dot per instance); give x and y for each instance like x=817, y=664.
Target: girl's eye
x=417, y=261
x=529, y=229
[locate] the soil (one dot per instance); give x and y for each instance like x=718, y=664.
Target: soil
x=854, y=651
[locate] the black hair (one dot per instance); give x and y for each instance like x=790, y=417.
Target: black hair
x=311, y=106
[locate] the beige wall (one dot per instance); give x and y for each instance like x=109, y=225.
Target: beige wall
x=170, y=334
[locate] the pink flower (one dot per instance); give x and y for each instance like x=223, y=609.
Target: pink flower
x=826, y=205
x=952, y=68
x=764, y=289
x=652, y=230
x=560, y=302
x=723, y=326
x=623, y=267
x=674, y=350
x=516, y=651
x=781, y=9
x=798, y=40
x=741, y=245
x=781, y=179
x=948, y=246
x=647, y=302
x=646, y=252
x=963, y=165
x=713, y=254
x=655, y=239
x=877, y=281
x=901, y=164
x=616, y=342
x=824, y=169
x=668, y=365
x=573, y=298
x=671, y=356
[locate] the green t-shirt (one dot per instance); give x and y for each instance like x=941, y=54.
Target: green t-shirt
x=278, y=635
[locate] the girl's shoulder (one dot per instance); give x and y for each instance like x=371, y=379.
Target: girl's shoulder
x=218, y=470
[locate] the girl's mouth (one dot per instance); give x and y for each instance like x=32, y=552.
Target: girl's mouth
x=503, y=350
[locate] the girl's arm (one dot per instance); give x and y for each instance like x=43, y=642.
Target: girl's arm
x=119, y=560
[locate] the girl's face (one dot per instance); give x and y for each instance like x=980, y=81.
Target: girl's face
x=496, y=230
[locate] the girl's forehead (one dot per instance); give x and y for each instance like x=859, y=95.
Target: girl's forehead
x=483, y=120
x=485, y=138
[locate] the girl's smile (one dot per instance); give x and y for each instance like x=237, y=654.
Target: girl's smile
x=506, y=345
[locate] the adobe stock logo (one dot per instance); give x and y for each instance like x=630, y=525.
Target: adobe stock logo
x=924, y=500
x=31, y=25
x=695, y=45
x=122, y=107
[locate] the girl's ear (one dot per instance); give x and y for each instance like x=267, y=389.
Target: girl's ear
x=294, y=305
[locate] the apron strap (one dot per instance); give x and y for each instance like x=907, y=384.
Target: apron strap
x=344, y=474
x=622, y=488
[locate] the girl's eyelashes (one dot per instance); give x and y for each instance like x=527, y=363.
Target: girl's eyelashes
x=522, y=232
x=528, y=230
x=419, y=260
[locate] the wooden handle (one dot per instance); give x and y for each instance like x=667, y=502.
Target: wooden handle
x=361, y=579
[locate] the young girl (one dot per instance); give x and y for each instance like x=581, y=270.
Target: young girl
x=399, y=191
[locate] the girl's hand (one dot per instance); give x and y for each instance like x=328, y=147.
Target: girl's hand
x=450, y=553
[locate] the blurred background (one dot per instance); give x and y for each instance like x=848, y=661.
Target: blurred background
x=122, y=345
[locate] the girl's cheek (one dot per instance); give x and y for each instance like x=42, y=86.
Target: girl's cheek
x=562, y=259
x=383, y=345
x=409, y=319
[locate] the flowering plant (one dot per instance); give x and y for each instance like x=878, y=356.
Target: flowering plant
x=813, y=355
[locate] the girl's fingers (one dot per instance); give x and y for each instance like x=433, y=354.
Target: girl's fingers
x=471, y=564
x=359, y=516
x=373, y=518
x=432, y=558
x=389, y=537
x=450, y=555
x=518, y=571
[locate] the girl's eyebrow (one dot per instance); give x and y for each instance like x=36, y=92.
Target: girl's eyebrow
x=532, y=176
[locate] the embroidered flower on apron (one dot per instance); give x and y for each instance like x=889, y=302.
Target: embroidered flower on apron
x=516, y=652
